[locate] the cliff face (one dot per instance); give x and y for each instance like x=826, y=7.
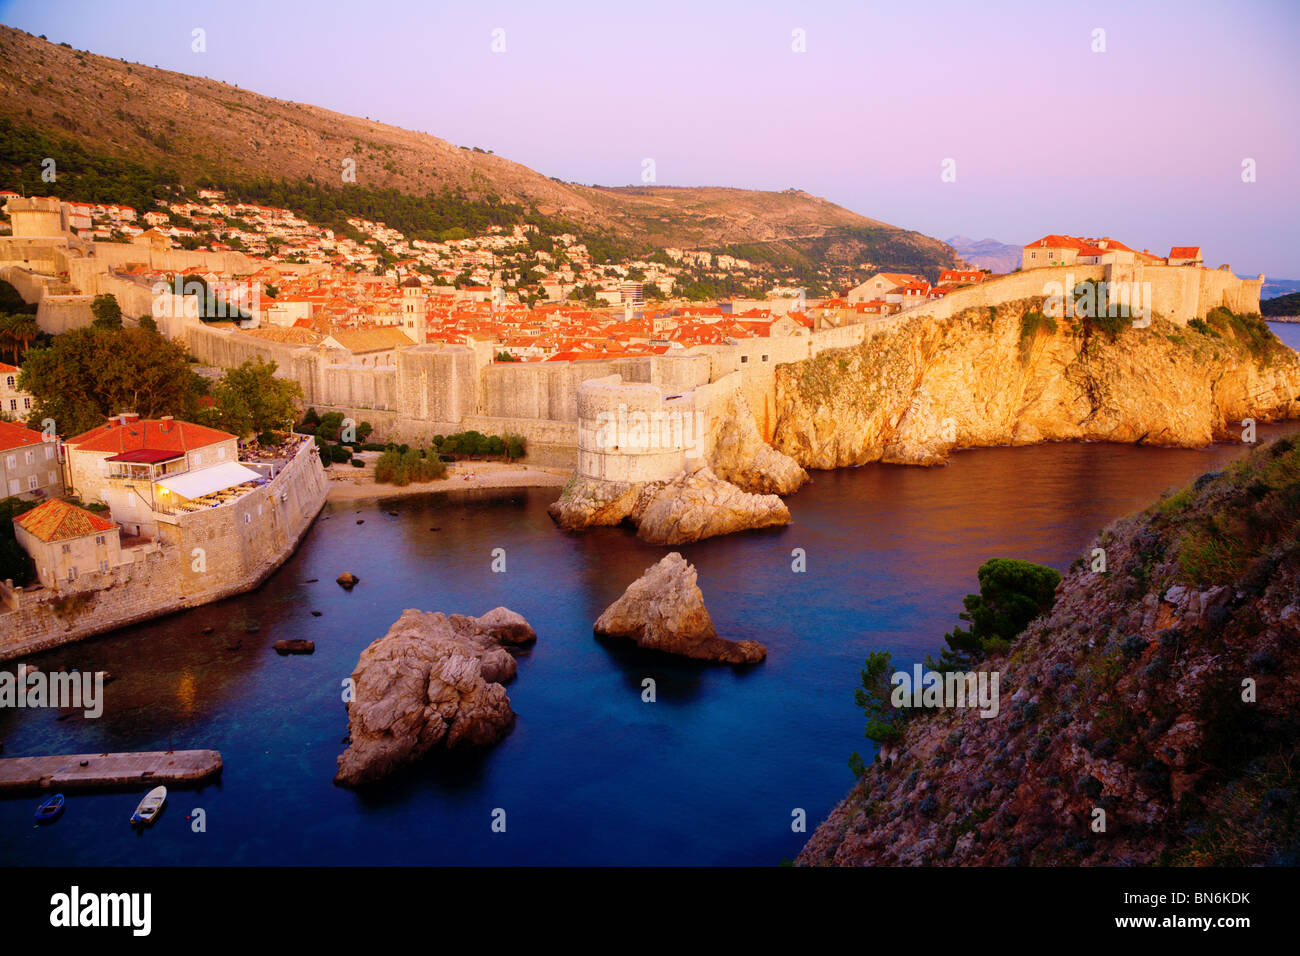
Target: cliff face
x=994, y=377
x=1161, y=692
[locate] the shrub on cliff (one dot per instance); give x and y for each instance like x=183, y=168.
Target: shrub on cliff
x=884, y=721
x=1012, y=593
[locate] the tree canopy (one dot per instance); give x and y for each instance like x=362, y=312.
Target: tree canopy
x=86, y=375
x=250, y=400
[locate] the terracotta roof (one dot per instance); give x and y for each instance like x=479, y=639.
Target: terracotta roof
x=13, y=435
x=56, y=520
x=151, y=434
x=1185, y=252
x=371, y=340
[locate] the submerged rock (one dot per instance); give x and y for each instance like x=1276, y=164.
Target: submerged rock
x=664, y=610
x=433, y=681
x=347, y=580
x=295, y=645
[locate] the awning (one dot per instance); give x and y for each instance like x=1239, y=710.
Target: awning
x=147, y=456
x=196, y=484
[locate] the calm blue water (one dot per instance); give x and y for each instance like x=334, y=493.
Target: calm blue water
x=1288, y=332
x=708, y=774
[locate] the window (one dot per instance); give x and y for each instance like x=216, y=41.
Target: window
x=744, y=359
x=221, y=453
x=67, y=549
x=12, y=461
x=54, y=477
x=31, y=482
x=27, y=403
x=10, y=381
x=99, y=539
x=72, y=574
x=14, y=487
x=247, y=518
x=49, y=451
x=198, y=459
x=13, y=404
x=103, y=565
x=31, y=456
x=764, y=358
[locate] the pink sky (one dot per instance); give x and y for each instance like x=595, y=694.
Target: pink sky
x=1143, y=142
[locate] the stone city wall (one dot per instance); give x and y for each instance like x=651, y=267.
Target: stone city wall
x=242, y=544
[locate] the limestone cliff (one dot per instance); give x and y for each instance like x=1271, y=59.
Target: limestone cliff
x=912, y=393
x=1158, y=698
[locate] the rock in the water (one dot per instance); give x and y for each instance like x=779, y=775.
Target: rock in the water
x=664, y=610
x=432, y=681
x=347, y=580
x=694, y=505
x=507, y=627
x=296, y=645
x=701, y=505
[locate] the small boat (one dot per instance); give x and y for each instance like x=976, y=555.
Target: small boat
x=50, y=809
x=149, y=807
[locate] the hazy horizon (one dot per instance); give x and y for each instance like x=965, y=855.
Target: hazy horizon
x=1143, y=142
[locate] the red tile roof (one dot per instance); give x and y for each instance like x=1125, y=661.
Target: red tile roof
x=56, y=520
x=149, y=434
x=13, y=435
x=1185, y=252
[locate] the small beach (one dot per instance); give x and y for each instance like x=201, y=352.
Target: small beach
x=348, y=484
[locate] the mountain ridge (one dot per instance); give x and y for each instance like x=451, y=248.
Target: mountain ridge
x=131, y=111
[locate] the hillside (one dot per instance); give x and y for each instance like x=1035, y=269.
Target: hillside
x=1282, y=305
x=161, y=119
x=987, y=253
x=1131, y=696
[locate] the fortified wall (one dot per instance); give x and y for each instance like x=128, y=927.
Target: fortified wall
x=638, y=432
x=436, y=389
x=241, y=544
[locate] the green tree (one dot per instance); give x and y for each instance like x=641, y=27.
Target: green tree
x=107, y=313
x=250, y=399
x=17, y=333
x=884, y=721
x=1012, y=593
x=86, y=375
x=15, y=564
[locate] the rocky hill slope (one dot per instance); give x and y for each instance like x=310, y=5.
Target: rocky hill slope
x=1163, y=692
x=913, y=392
x=190, y=124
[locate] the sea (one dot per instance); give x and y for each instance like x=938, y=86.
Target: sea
x=722, y=767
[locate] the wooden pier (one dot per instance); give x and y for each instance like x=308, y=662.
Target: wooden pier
x=95, y=771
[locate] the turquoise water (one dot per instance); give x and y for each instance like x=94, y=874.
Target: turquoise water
x=710, y=773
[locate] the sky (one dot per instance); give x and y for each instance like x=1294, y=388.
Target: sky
x=1042, y=123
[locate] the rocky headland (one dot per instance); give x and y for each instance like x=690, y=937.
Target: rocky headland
x=913, y=392
x=433, y=681
x=663, y=610
x=736, y=488
x=1159, y=698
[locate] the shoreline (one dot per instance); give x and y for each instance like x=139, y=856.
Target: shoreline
x=461, y=476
